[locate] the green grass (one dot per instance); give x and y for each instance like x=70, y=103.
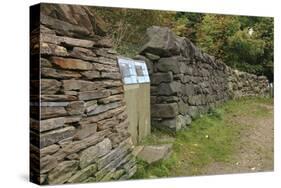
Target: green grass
x=211, y=138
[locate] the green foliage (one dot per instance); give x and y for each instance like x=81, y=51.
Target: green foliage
x=186, y=24
x=214, y=31
x=244, y=48
x=242, y=42
x=224, y=36
x=180, y=27
x=265, y=31
x=217, y=113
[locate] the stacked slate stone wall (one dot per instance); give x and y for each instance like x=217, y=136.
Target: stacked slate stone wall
x=186, y=82
x=81, y=132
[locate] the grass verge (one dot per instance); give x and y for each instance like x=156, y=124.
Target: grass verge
x=211, y=138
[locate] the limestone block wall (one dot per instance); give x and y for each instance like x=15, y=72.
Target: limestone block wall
x=79, y=130
x=185, y=81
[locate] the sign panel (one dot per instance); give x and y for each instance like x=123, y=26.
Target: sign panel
x=128, y=71
x=133, y=71
x=142, y=72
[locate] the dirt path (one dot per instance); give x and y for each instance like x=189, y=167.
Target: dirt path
x=254, y=153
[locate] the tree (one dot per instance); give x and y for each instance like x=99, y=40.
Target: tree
x=265, y=31
x=214, y=31
x=186, y=24
x=244, y=51
x=242, y=42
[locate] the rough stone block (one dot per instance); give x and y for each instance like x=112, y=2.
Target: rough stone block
x=90, y=105
x=162, y=42
x=158, y=78
x=171, y=124
x=47, y=163
x=54, y=104
x=90, y=95
x=50, y=86
x=166, y=99
x=103, y=108
x=167, y=89
x=83, y=174
x=91, y=74
x=105, y=67
x=52, y=49
x=81, y=85
x=173, y=64
x=153, y=154
x=62, y=27
x=75, y=108
x=182, y=107
x=72, y=119
x=49, y=150
x=91, y=154
x=196, y=100
x=77, y=146
x=54, y=136
x=107, y=123
x=83, y=53
x=72, y=64
x=51, y=112
x=58, y=98
x=115, y=156
x=58, y=74
x=111, y=75
x=50, y=124
x=45, y=63
x=75, y=42
x=110, y=99
x=152, y=57
x=164, y=110
x=105, y=115
x=85, y=130
x=63, y=172
x=193, y=111
x=188, y=89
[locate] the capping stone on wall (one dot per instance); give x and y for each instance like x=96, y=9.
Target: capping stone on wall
x=84, y=127
x=186, y=82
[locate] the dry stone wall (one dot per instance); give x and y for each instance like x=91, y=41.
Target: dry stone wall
x=242, y=84
x=186, y=81
x=79, y=130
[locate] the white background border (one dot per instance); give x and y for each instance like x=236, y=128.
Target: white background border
x=14, y=79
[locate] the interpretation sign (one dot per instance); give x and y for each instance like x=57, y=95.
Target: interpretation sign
x=133, y=71
x=128, y=71
x=142, y=72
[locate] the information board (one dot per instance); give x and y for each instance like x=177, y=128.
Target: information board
x=128, y=71
x=142, y=72
x=133, y=71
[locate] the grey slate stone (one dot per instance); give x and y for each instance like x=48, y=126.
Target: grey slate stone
x=83, y=174
x=91, y=154
x=161, y=42
x=62, y=172
x=54, y=136
x=50, y=124
x=164, y=110
x=158, y=78
x=155, y=153
x=49, y=86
